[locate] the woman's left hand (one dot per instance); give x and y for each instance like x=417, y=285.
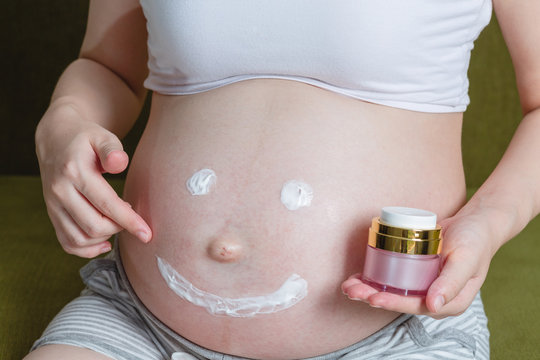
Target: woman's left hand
x=468, y=247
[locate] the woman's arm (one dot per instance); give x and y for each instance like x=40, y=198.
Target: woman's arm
x=97, y=99
x=503, y=205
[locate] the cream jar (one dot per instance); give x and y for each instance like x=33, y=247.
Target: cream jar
x=403, y=249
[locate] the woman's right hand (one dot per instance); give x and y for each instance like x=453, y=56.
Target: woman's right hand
x=84, y=209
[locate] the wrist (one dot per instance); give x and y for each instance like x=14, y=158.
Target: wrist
x=58, y=120
x=498, y=212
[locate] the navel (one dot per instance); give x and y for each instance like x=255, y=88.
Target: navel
x=226, y=250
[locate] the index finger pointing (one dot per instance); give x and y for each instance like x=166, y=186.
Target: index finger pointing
x=103, y=197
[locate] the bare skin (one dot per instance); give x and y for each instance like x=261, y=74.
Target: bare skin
x=257, y=135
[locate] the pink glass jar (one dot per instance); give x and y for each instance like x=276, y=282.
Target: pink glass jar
x=402, y=255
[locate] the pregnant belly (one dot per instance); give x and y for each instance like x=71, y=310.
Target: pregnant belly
x=259, y=195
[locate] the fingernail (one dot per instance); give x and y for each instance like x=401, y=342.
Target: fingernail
x=105, y=249
x=356, y=299
x=375, y=306
x=439, y=302
x=144, y=236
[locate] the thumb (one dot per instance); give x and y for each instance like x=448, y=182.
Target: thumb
x=458, y=269
x=112, y=157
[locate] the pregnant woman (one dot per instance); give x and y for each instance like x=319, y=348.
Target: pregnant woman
x=278, y=129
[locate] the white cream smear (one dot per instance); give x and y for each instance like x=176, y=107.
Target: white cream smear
x=201, y=182
x=296, y=194
x=292, y=291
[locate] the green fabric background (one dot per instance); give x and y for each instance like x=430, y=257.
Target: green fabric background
x=37, y=278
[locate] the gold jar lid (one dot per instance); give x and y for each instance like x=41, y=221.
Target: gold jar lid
x=405, y=241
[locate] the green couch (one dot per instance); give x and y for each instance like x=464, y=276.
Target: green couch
x=37, y=278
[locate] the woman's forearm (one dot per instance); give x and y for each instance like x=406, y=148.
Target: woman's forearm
x=77, y=140
x=97, y=95
x=510, y=197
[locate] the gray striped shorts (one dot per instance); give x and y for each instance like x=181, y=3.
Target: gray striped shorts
x=109, y=318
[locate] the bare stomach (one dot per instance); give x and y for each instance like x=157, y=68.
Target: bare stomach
x=240, y=240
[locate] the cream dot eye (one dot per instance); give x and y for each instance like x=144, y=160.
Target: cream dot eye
x=201, y=182
x=296, y=194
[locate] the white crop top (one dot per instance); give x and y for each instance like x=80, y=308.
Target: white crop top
x=410, y=54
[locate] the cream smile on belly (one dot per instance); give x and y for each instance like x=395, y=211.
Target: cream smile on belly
x=293, y=290
x=294, y=195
